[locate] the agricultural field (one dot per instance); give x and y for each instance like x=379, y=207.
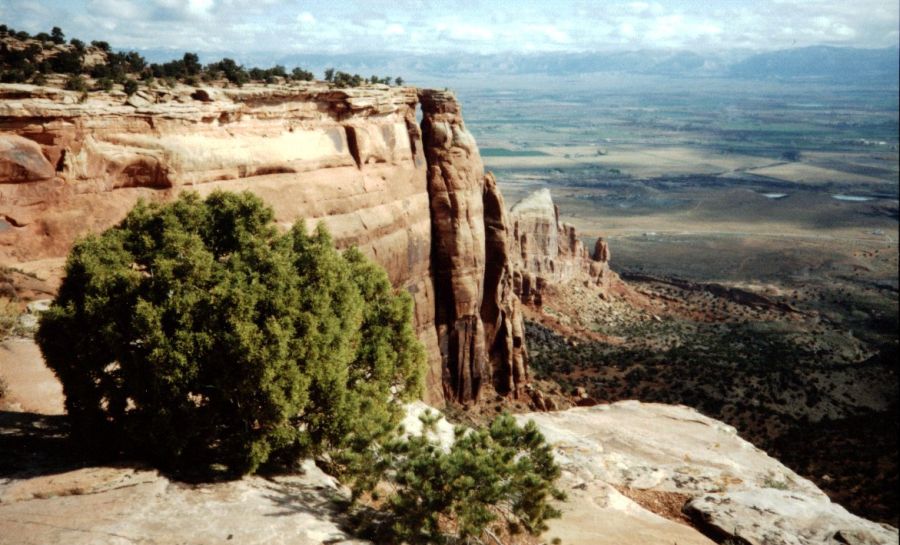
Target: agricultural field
x=705, y=189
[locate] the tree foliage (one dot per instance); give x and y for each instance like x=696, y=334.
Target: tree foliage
x=197, y=334
x=130, y=87
x=502, y=473
x=56, y=34
x=19, y=63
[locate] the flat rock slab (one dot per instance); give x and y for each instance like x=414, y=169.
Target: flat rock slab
x=126, y=506
x=597, y=514
x=734, y=489
x=770, y=515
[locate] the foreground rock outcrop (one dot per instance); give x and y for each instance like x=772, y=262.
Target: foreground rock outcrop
x=546, y=251
x=673, y=455
x=354, y=159
x=122, y=506
x=635, y=474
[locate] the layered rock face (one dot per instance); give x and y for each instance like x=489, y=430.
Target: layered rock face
x=479, y=326
x=546, y=251
x=353, y=159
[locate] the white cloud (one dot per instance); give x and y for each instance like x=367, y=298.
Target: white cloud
x=199, y=7
x=467, y=32
x=394, y=30
x=289, y=26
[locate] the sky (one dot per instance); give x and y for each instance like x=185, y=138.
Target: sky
x=440, y=26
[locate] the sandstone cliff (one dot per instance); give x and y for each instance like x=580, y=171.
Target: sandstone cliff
x=478, y=324
x=546, y=251
x=354, y=159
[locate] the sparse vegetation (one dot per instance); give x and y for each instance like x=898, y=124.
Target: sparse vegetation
x=772, y=482
x=76, y=83
x=9, y=317
x=130, y=87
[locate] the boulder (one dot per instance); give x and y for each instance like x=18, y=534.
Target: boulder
x=22, y=160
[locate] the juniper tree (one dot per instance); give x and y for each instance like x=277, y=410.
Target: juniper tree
x=194, y=333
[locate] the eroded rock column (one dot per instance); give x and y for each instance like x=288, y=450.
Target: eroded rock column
x=478, y=325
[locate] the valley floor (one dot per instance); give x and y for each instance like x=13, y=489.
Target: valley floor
x=757, y=228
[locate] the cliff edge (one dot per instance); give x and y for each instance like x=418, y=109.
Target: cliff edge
x=416, y=200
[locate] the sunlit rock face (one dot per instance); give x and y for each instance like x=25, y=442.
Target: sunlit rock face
x=546, y=251
x=479, y=325
x=727, y=488
x=353, y=159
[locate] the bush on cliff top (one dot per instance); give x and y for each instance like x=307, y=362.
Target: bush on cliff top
x=500, y=477
x=193, y=333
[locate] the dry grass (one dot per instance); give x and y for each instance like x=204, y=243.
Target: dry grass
x=665, y=504
x=637, y=161
x=804, y=173
x=9, y=317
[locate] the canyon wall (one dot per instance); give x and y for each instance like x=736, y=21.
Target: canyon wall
x=479, y=327
x=354, y=159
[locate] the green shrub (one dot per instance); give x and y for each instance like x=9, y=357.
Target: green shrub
x=299, y=74
x=195, y=335
x=501, y=472
x=67, y=62
x=130, y=86
x=12, y=76
x=105, y=84
x=76, y=83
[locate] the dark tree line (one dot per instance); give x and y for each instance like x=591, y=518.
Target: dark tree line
x=42, y=55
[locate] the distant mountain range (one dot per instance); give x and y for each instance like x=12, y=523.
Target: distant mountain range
x=825, y=64
x=841, y=64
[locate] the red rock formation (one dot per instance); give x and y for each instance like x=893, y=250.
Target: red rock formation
x=353, y=159
x=500, y=312
x=479, y=326
x=547, y=251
